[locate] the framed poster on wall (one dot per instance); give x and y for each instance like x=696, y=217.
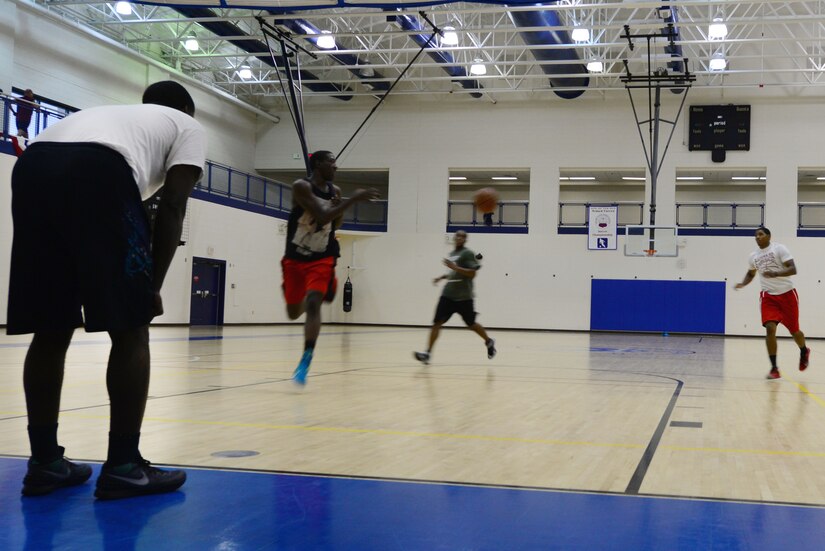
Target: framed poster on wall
x=601, y=227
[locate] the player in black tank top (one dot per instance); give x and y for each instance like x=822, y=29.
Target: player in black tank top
x=311, y=248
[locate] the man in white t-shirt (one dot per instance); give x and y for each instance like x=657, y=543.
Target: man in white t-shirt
x=83, y=255
x=778, y=300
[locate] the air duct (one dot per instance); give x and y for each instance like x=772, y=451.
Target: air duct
x=303, y=27
x=409, y=23
x=542, y=38
x=670, y=15
x=223, y=28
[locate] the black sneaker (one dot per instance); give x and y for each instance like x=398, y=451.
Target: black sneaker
x=423, y=357
x=491, y=348
x=44, y=478
x=136, y=479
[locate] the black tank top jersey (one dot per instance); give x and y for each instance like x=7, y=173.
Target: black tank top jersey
x=305, y=240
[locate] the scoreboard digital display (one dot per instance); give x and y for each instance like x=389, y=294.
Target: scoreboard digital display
x=725, y=127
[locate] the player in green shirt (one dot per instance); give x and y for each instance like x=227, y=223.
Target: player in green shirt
x=457, y=297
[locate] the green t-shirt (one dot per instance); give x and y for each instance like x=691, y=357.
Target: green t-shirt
x=460, y=287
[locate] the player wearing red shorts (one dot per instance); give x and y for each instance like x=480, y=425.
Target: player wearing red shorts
x=778, y=299
x=311, y=248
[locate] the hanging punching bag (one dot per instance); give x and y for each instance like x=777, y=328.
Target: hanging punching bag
x=348, y=295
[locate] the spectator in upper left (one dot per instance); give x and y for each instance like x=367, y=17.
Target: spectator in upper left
x=26, y=107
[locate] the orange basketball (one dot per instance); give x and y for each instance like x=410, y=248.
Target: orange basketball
x=486, y=200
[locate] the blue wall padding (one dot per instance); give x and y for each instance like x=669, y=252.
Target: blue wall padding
x=657, y=306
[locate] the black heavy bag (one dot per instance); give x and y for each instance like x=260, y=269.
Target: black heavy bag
x=348, y=296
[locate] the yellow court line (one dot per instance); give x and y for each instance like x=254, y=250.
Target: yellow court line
x=804, y=389
x=455, y=436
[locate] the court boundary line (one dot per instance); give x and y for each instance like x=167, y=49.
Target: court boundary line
x=647, y=457
x=548, y=489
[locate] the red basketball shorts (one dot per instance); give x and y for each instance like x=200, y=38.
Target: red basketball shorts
x=301, y=277
x=782, y=309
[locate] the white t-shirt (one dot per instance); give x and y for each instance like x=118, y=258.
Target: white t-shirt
x=152, y=138
x=772, y=258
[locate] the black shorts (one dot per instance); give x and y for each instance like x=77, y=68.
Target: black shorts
x=446, y=308
x=81, y=240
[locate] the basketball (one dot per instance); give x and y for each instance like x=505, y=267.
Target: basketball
x=486, y=200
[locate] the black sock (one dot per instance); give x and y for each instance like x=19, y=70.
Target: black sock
x=773, y=361
x=43, y=441
x=123, y=448
x=802, y=350
x=309, y=345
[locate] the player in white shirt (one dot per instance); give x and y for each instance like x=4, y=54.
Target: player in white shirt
x=83, y=255
x=779, y=301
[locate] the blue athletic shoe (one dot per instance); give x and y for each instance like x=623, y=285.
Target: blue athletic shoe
x=300, y=374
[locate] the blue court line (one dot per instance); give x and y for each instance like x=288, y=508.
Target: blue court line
x=242, y=511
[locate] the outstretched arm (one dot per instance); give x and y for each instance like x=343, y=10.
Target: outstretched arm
x=320, y=211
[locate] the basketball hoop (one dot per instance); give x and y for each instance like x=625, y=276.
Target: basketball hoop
x=649, y=252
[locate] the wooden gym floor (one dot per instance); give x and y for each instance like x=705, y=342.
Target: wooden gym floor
x=554, y=417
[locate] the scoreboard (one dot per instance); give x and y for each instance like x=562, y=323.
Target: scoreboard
x=725, y=127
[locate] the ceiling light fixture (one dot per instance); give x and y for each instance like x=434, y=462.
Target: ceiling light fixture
x=582, y=178
x=690, y=178
x=634, y=178
x=450, y=38
x=717, y=29
x=581, y=34
x=458, y=177
x=595, y=66
x=123, y=8
x=245, y=72
x=326, y=40
x=718, y=63
x=478, y=68
x=751, y=178
x=191, y=44
x=504, y=178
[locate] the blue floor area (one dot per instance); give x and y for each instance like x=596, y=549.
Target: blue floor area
x=238, y=511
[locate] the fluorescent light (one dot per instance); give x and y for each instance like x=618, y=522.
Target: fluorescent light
x=245, y=73
x=717, y=30
x=595, y=66
x=326, y=40
x=747, y=178
x=582, y=178
x=450, y=37
x=581, y=34
x=566, y=178
x=123, y=8
x=690, y=178
x=504, y=178
x=478, y=68
x=458, y=177
x=634, y=178
x=718, y=63
x=191, y=44
x=820, y=177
